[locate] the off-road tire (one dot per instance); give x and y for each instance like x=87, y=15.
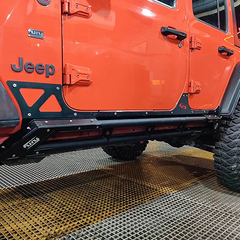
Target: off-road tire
x=126, y=152
x=227, y=152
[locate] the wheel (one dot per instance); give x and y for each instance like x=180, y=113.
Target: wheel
x=126, y=152
x=227, y=152
x=176, y=142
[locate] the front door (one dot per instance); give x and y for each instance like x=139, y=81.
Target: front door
x=117, y=56
x=211, y=59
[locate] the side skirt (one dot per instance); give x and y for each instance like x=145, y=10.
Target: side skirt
x=37, y=137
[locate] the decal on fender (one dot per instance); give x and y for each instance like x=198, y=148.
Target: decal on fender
x=35, y=33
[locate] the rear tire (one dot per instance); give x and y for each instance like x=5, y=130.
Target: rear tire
x=126, y=152
x=227, y=152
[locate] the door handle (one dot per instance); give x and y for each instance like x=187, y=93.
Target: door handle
x=225, y=51
x=170, y=31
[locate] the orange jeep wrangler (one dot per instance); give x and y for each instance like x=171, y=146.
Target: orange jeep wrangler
x=76, y=74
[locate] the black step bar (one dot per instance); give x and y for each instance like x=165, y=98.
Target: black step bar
x=32, y=138
x=57, y=146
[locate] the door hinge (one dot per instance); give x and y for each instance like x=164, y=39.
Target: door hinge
x=194, y=87
x=77, y=75
x=80, y=7
x=195, y=43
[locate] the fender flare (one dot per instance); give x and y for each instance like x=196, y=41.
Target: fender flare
x=232, y=94
x=9, y=115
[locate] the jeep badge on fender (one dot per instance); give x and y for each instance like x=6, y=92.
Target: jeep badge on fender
x=44, y=2
x=29, y=68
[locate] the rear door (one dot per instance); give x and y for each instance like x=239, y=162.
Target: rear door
x=116, y=58
x=211, y=59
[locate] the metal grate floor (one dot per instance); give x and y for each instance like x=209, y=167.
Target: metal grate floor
x=186, y=214
x=64, y=164
x=87, y=195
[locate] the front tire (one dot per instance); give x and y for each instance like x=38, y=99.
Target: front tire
x=227, y=152
x=126, y=152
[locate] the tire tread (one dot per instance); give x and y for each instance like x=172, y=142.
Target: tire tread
x=227, y=152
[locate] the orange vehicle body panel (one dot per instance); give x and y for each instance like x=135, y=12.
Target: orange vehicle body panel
x=128, y=64
x=15, y=20
x=207, y=66
x=133, y=66
x=51, y=105
x=31, y=95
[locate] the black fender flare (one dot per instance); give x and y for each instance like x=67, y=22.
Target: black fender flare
x=9, y=115
x=232, y=94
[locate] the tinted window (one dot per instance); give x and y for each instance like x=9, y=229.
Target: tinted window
x=212, y=12
x=168, y=2
x=237, y=13
x=222, y=15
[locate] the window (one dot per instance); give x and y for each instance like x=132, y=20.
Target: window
x=212, y=12
x=237, y=14
x=222, y=15
x=167, y=2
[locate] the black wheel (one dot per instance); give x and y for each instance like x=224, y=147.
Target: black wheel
x=227, y=152
x=176, y=142
x=126, y=152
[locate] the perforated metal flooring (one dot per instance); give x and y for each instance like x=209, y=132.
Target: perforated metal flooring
x=86, y=195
